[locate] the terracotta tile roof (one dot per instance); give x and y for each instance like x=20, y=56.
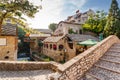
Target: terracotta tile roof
x=79, y=37
x=53, y=39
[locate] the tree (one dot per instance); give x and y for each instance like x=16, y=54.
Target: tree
x=53, y=26
x=96, y=23
x=24, y=47
x=113, y=20
x=15, y=9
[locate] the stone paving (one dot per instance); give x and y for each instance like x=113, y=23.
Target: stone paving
x=25, y=75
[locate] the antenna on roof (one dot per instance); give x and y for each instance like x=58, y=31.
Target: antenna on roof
x=77, y=11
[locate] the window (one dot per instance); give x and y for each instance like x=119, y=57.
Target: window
x=8, y=52
x=80, y=31
x=70, y=45
x=50, y=46
x=47, y=45
x=6, y=57
x=61, y=47
x=54, y=47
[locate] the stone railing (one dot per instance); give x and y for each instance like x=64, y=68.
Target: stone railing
x=76, y=67
x=26, y=66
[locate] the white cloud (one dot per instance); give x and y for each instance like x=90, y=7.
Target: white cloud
x=51, y=12
x=78, y=3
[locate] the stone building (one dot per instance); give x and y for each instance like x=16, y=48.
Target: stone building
x=64, y=28
x=63, y=48
x=36, y=41
x=57, y=47
x=79, y=17
x=8, y=42
x=73, y=24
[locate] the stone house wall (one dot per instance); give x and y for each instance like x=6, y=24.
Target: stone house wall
x=66, y=53
x=63, y=28
x=8, y=51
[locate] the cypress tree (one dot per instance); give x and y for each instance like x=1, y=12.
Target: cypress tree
x=113, y=21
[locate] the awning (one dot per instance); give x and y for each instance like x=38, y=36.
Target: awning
x=88, y=42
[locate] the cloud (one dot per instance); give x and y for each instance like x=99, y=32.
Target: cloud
x=53, y=11
x=78, y=3
x=71, y=6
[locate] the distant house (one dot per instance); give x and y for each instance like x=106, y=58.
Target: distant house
x=65, y=27
x=35, y=40
x=63, y=48
x=8, y=42
x=73, y=24
x=79, y=17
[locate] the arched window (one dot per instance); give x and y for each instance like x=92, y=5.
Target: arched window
x=47, y=45
x=61, y=47
x=55, y=47
x=6, y=57
x=80, y=31
x=50, y=46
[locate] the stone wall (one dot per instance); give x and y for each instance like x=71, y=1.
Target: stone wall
x=27, y=66
x=8, y=50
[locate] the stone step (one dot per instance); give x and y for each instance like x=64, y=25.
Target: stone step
x=89, y=76
x=111, y=58
x=103, y=74
x=116, y=44
x=114, y=50
x=112, y=53
x=115, y=67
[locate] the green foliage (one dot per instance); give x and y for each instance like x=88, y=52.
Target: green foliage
x=40, y=44
x=53, y=26
x=113, y=20
x=23, y=47
x=96, y=22
x=15, y=9
x=70, y=31
x=21, y=32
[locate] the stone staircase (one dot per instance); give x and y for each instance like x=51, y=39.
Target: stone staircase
x=107, y=68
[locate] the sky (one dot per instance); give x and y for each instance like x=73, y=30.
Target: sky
x=54, y=11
